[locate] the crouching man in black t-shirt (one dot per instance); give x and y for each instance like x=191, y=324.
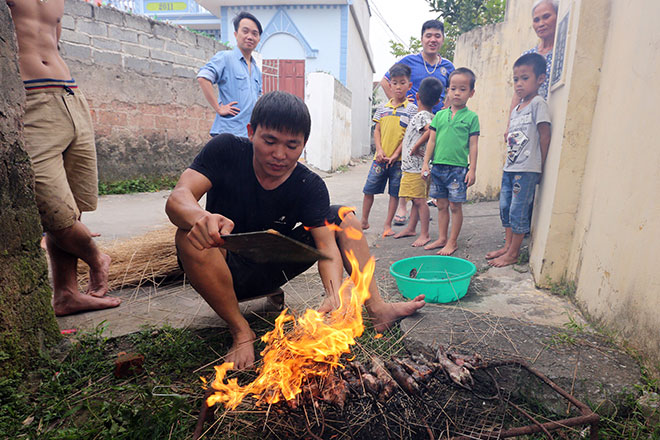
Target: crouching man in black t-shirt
x=254, y=185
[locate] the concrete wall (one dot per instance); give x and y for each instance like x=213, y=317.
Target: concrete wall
x=138, y=74
x=616, y=232
x=597, y=218
x=329, y=102
x=359, y=79
x=490, y=52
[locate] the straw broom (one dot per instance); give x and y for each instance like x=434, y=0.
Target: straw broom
x=148, y=257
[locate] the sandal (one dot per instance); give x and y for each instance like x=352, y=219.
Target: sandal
x=400, y=220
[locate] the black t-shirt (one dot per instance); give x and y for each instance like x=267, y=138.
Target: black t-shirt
x=237, y=194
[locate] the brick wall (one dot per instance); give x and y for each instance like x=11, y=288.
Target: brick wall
x=138, y=75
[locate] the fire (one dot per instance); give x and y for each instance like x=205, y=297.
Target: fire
x=308, y=346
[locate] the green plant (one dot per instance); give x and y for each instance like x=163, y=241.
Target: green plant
x=142, y=184
x=562, y=288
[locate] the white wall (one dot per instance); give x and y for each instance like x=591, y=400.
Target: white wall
x=329, y=144
x=359, y=77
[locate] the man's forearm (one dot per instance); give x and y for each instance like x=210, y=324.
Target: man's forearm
x=209, y=93
x=182, y=208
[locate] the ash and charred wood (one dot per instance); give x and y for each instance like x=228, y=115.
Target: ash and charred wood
x=369, y=381
x=419, y=372
x=405, y=380
x=351, y=379
x=335, y=391
x=459, y=374
x=388, y=385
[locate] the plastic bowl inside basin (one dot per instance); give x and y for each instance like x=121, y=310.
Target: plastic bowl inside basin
x=441, y=279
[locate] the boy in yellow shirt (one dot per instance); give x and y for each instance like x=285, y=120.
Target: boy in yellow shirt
x=391, y=122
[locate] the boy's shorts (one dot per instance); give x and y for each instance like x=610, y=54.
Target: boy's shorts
x=448, y=182
x=252, y=279
x=379, y=176
x=516, y=197
x=413, y=186
x=59, y=139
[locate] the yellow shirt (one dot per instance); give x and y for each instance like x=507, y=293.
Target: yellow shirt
x=393, y=120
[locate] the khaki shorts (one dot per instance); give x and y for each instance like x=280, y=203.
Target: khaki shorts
x=413, y=186
x=60, y=141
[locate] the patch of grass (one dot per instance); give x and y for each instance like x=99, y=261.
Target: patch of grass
x=562, y=288
x=142, y=184
x=570, y=335
x=523, y=256
x=80, y=398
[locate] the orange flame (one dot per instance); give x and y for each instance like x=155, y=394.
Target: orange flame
x=345, y=210
x=311, y=345
x=332, y=226
x=353, y=233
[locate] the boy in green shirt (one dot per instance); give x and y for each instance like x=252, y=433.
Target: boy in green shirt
x=454, y=137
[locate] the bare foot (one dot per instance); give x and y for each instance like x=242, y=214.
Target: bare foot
x=448, y=249
x=241, y=352
x=364, y=224
x=494, y=254
x=405, y=233
x=70, y=303
x=98, y=279
x=390, y=313
x=328, y=305
x=388, y=232
x=95, y=234
x=421, y=241
x=440, y=242
x=504, y=260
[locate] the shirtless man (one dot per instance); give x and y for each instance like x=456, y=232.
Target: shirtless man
x=60, y=141
x=256, y=184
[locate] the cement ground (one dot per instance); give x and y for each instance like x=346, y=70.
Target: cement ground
x=503, y=315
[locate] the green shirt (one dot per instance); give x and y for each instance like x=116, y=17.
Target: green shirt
x=452, y=136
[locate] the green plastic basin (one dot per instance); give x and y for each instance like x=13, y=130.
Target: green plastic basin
x=441, y=279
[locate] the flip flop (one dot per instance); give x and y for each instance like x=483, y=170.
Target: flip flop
x=400, y=220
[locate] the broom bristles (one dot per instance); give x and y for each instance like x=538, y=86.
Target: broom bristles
x=146, y=258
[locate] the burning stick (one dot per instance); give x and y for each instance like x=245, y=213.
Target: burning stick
x=459, y=374
x=419, y=372
x=388, y=385
x=335, y=391
x=404, y=380
x=368, y=380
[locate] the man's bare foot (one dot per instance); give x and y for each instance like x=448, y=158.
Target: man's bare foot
x=494, y=254
x=440, y=242
x=241, y=352
x=421, y=241
x=364, y=224
x=98, y=279
x=504, y=260
x=387, y=315
x=448, y=249
x=405, y=233
x=70, y=303
x=328, y=305
x=388, y=232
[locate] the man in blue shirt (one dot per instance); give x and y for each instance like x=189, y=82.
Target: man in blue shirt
x=426, y=63
x=238, y=79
